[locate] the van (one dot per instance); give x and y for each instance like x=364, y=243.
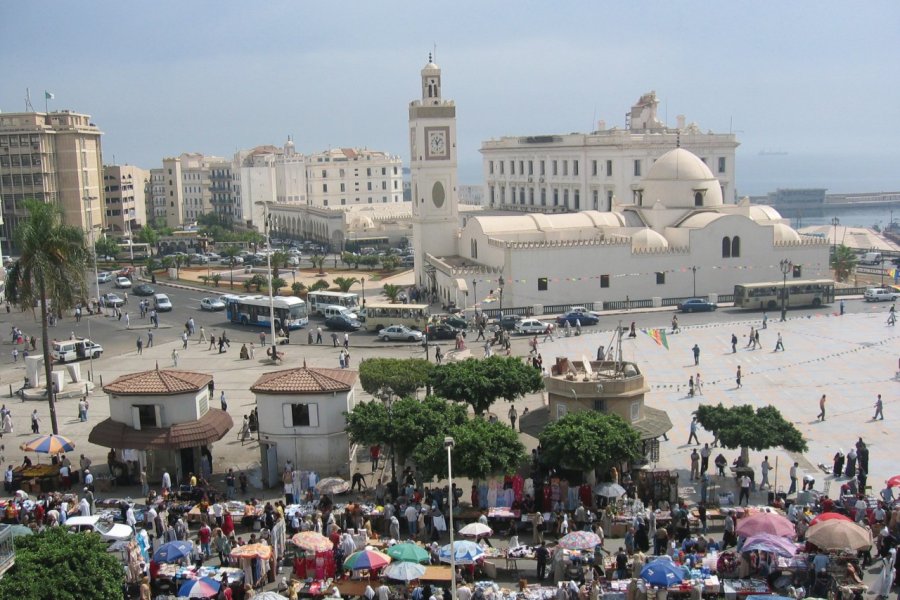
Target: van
x=162, y=303
x=78, y=349
x=871, y=258
x=332, y=310
x=880, y=294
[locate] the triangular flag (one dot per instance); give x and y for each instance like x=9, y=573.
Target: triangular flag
x=659, y=336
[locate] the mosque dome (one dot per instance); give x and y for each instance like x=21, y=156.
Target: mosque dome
x=784, y=234
x=647, y=240
x=679, y=179
x=761, y=212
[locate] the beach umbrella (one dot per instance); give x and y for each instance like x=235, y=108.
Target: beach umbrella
x=764, y=522
x=838, y=535
x=205, y=587
x=333, y=485
x=173, y=551
x=261, y=551
x=366, y=559
x=828, y=516
x=476, y=529
x=404, y=571
x=465, y=552
x=894, y=481
x=767, y=542
x=408, y=552
x=580, y=540
x=312, y=541
x=609, y=490
x=49, y=444
x=662, y=573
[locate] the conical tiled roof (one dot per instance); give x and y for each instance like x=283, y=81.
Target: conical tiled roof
x=158, y=382
x=305, y=380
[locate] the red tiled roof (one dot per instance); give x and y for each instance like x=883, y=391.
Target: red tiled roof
x=209, y=428
x=158, y=382
x=305, y=380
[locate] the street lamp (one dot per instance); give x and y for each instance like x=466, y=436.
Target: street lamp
x=882, y=270
x=387, y=396
x=694, y=271
x=267, y=219
x=834, y=223
x=448, y=444
x=475, y=296
x=500, y=284
x=786, y=267
x=362, y=280
x=96, y=275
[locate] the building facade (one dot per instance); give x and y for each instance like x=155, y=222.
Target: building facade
x=353, y=176
x=54, y=157
x=597, y=170
x=125, y=192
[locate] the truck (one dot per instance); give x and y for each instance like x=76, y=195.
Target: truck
x=78, y=349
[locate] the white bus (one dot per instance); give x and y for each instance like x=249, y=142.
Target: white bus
x=290, y=311
x=799, y=292
x=319, y=300
x=378, y=315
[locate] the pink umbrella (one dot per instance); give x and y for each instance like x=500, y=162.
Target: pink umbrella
x=770, y=543
x=829, y=516
x=765, y=523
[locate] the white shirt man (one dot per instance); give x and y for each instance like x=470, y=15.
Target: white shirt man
x=464, y=593
x=166, y=481
x=130, y=519
x=88, y=478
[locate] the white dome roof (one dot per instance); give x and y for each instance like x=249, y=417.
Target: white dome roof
x=677, y=177
x=784, y=234
x=678, y=165
x=760, y=212
x=647, y=239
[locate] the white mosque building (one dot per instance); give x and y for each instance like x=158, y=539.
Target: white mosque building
x=678, y=238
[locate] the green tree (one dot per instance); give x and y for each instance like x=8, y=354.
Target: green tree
x=50, y=271
x=482, y=449
x=748, y=429
x=106, y=246
x=405, y=425
x=179, y=260
x=321, y=284
x=297, y=287
x=230, y=253
x=152, y=265
x=148, y=235
x=404, y=376
x=586, y=440
x=58, y=565
x=277, y=284
x=482, y=382
x=318, y=262
x=278, y=260
x=390, y=262
x=843, y=261
x=349, y=258
x=368, y=260
x=216, y=278
x=391, y=292
x=345, y=283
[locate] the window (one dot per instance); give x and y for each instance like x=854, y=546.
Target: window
x=566, y=198
x=531, y=167
x=609, y=199
x=343, y=187
x=146, y=415
x=501, y=163
x=565, y=167
x=325, y=187
x=491, y=195
x=474, y=248
x=521, y=195
x=698, y=199
x=512, y=167
x=301, y=415
x=721, y=164
x=609, y=168
x=555, y=197
x=798, y=271
x=543, y=170
x=604, y=281
x=491, y=167
x=660, y=278
x=368, y=171
x=596, y=200
x=735, y=247
x=555, y=171
x=635, y=411
x=542, y=284
x=594, y=168
x=544, y=197
x=521, y=167
x=726, y=247
x=637, y=167
x=574, y=167
x=577, y=200
x=324, y=173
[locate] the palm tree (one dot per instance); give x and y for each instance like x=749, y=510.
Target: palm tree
x=318, y=261
x=230, y=253
x=54, y=259
x=843, y=262
x=278, y=259
x=392, y=292
x=345, y=283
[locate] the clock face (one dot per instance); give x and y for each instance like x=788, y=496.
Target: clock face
x=437, y=143
x=437, y=194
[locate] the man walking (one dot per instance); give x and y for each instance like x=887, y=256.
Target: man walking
x=821, y=416
x=879, y=408
x=222, y=401
x=793, y=476
x=695, y=464
x=745, y=489
x=738, y=376
x=202, y=335
x=696, y=350
x=35, y=422
x=184, y=340
x=693, y=435
x=733, y=343
x=513, y=415
x=779, y=345
x=704, y=458
x=765, y=467
x=140, y=345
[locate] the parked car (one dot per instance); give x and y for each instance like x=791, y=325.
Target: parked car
x=212, y=257
x=879, y=294
x=111, y=299
x=400, y=333
x=107, y=529
x=442, y=331
x=530, y=327
x=342, y=322
x=123, y=282
x=104, y=277
x=212, y=304
x=143, y=290
x=697, y=305
x=125, y=272
x=575, y=317
x=455, y=322
x=508, y=322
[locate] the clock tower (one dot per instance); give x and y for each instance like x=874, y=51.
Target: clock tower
x=432, y=149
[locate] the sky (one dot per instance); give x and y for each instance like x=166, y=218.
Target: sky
x=817, y=80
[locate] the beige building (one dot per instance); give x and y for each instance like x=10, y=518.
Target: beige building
x=188, y=186
x=353, y=176
x=125, y=189
x=54, y=157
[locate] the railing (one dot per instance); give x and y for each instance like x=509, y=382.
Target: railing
x=854, y=291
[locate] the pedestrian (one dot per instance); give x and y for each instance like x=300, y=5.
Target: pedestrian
x=695, y=464
x=842, y=307
x=693, y=435
x=738, y=376
x=698, y=384
x=347, y=359
x=756, y=338
x=548, y=333
x=184, y=340
x=191, y=326
x=734, y=341
x=793, y=476
x=438, y=355
x=334, y=339
x=691, y=386
x=127, y=321
x=222, y=401
x=764, y=468
x=202, y=335
x=15, y=355
x=175, y=357
x=751, y=343
x=779, y=345
x=879, y=409
x=149, y=339
x=704, y=458
x=319, y=336
x=745, y=489
x=765, y=320
x=262, y=338
x=675, y=328
x=35, y=422
x=821, y=416
x=212, y=341
x=346, y=340
x=513, y=415
x=696, y=351
x=140, y=345
x=341, y=359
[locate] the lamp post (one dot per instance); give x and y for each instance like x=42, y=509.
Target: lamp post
x=834, y=223
x=448, y=444
x=786, y=267
x=96, y=275
x=387, y=395
x=694, y=271
x=500, y=284
x=268, y=227
x=882, y=270
x=475, y=297
x=362, y=280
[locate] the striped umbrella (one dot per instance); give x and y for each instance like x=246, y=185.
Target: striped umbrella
x=313, y=541
x=204, y=587
x=404, y=571
x=366, y=559
x=49, y=444
x=408, y=552
x=580, y=540
x=465, y=552
x=829, y=516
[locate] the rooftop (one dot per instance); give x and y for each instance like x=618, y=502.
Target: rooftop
x=158, y=382
x=305, y=380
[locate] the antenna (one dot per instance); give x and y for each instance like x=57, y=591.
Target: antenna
x=434, y=52
x=28, y=106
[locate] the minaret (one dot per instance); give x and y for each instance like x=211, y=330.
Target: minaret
x=432, y=145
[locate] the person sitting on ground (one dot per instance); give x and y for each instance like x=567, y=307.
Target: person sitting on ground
x=245, y=354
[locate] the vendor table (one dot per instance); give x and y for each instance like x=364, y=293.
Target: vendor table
x=354, y=587
x=740, y=588
x=437, y=573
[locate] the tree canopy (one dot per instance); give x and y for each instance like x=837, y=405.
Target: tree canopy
x=404, y=376
x=843, y=261
x=585, y=440
x=106, y=246
x=482, y=382
x=411, y=422
x=744, y=427
x=58, y=565
x=482, y=449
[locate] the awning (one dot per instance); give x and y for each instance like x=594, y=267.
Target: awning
x=211, y=427
x=655, y=423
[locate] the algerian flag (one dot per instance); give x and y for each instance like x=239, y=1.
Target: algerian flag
x=659, y=336
x=48, y=95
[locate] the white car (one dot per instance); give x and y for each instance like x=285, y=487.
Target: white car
x=400, y=333
x=212, y=304
x=530, y=327
x=162, y=303
x=213, y=257
x=123, y=282
x=109, y=531
x=104, y=277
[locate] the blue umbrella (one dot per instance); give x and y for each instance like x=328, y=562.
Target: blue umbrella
x=662, y=573
x=173, y=551
x=466, y=552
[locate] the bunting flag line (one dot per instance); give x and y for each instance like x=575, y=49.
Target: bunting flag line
x=659, y=336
